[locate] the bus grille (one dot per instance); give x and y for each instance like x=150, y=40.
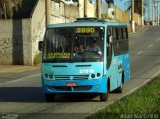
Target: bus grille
x=76, y=88
x=71, y=77
x=82, y=88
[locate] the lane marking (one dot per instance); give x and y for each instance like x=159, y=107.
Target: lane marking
x=158, y=40
x=150, y=45
x=139, y=52
x=31, y=76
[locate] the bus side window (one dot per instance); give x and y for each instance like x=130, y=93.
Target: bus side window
x=117, y=33
x=114, y=34
x=122, y=35
x=126, y=33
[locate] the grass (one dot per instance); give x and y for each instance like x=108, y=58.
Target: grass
x=37, y=59
x=143, y=103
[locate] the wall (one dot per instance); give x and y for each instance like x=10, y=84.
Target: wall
x=125, y=16
x=137, y=19
x=6, y=41
x=121, y=16
x=91, y=9
x=61, y=13
x=14, y=41
x=19, y=37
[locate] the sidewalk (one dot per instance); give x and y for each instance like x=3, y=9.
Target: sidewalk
x=137, y=29
x=17, y=68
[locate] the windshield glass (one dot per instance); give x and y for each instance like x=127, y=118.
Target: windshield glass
x=74, y=44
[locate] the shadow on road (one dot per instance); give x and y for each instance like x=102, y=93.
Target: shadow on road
x=34, y=94
x=21, y=94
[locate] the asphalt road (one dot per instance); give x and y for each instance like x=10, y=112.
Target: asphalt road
x=21, y=96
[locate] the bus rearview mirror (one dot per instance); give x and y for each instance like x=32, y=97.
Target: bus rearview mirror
x=40, y=45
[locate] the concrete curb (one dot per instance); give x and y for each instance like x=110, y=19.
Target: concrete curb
x=131, y=91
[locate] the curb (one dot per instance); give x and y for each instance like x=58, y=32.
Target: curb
x=140, y=30
x=130, y=92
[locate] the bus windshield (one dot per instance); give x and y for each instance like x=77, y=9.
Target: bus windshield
x=74, y=44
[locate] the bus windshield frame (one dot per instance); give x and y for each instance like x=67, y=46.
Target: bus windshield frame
x=74, y=44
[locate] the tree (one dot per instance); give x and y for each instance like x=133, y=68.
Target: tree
x=8, y=7
x=137, y=6
x=109, y=2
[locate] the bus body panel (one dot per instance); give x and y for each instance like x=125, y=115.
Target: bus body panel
x=79, y=73
x=68, y=72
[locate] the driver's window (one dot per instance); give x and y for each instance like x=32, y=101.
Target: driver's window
x=109, y=47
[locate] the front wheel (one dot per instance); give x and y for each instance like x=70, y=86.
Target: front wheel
x=119, y=89
x=104, y=96
x=49, y=97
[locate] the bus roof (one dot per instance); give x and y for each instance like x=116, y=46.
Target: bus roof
x=88, y=22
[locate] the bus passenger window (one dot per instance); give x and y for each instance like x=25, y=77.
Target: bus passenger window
x=117, y=34
x=122, y=36
x=126, y=33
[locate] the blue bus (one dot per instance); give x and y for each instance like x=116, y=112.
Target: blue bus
x=85, y=56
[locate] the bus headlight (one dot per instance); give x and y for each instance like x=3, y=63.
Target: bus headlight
x=93, y=75
x=98, y=74
x=46, y=75
x=51, y=76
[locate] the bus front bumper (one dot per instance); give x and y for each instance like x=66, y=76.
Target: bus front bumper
x=75, y=86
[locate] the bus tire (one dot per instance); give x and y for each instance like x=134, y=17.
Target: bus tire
x=120, y=88
x=49, y=97
x=104, y=96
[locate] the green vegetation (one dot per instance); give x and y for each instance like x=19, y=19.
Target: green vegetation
x=37, y=59
x=145, y=102
x=137, y=5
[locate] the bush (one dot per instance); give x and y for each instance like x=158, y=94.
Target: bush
x=37, y=59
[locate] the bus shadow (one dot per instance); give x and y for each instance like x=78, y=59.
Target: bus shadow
x=21, y=94
x=77, y=97
x=34, y=94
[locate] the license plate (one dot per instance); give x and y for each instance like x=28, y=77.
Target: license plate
x=71, y=84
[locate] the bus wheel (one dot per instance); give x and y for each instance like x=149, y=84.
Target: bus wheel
x=49, y=97
x=104, y=96
x=120, y=88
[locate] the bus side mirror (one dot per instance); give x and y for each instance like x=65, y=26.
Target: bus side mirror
x=110, y=40
x=40, y=45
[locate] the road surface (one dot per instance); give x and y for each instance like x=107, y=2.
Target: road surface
x=20, y=94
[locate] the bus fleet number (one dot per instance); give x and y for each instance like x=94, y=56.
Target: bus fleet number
x=85, y=30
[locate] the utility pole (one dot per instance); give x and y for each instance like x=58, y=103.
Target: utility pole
x=142, y=14
x=47, y=6
x=99, y=9
x=148, y=11
x=158, y=12
x=132, y=18
x=155, y=11
x=152, y=12
x=85, y=7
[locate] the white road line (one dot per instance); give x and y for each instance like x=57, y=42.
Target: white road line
x=139, y=52
x=150, y=45
x=31, y=76
x=158, y=40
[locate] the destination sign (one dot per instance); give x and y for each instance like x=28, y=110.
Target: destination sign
x=58, y=55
